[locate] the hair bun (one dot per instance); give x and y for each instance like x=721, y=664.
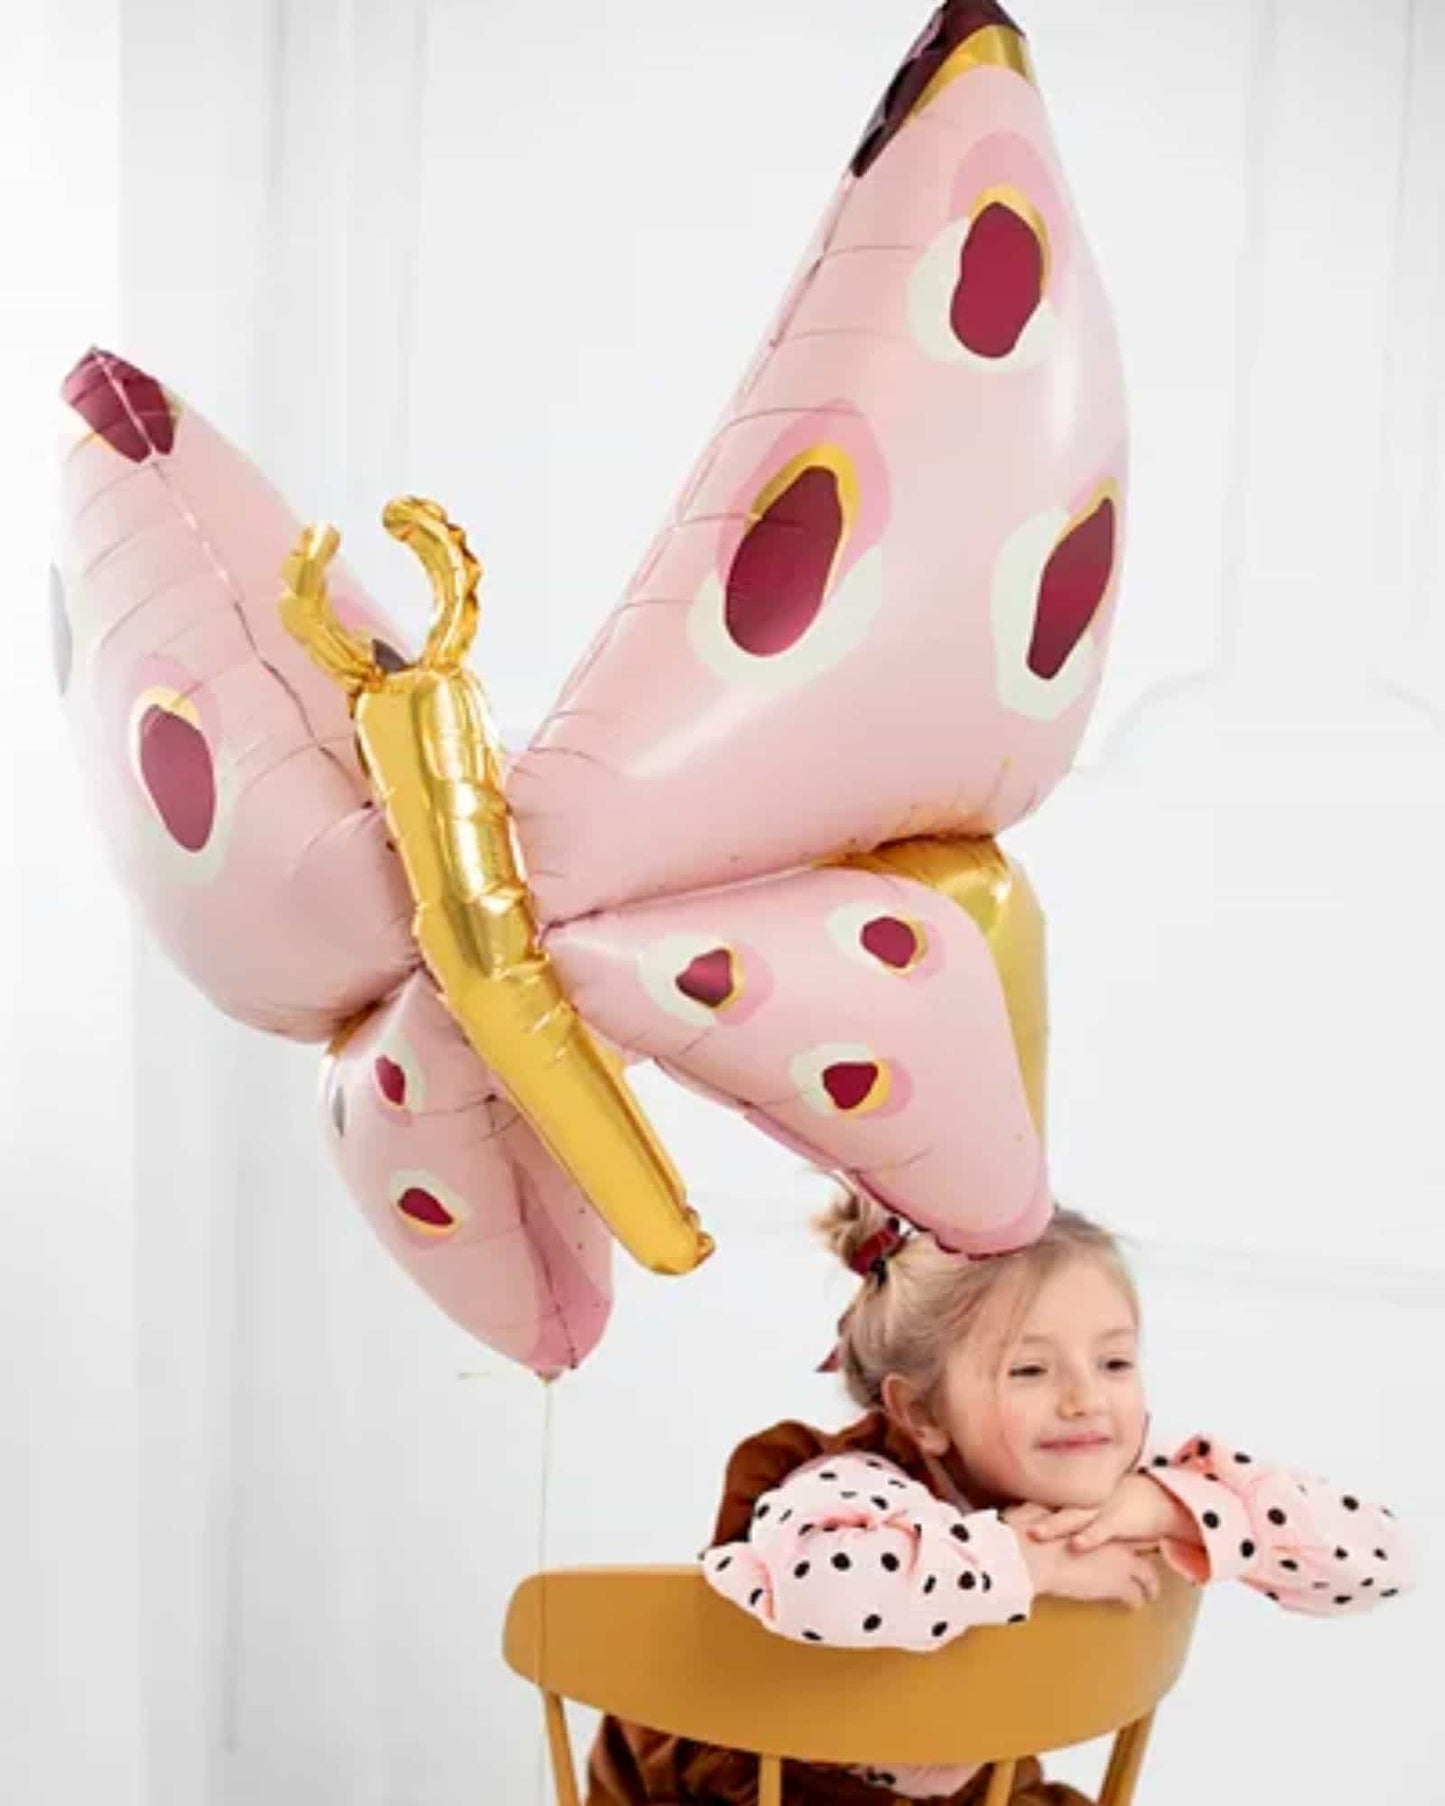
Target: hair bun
x=850, y=1222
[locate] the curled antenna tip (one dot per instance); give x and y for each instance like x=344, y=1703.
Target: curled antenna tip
x=319, y=543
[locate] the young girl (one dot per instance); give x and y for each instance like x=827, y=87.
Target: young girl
x=1004, y=1455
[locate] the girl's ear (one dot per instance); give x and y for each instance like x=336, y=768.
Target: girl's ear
x=908, y=1412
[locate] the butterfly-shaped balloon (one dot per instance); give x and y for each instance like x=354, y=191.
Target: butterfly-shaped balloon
x=752, y=842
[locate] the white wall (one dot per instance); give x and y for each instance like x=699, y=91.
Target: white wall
x=514, y=256
x=70, y=1594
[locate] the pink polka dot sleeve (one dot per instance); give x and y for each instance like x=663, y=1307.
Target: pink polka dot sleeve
x=1302, y=1542
x=849, y=1552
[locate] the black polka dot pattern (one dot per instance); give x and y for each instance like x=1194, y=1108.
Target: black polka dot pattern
x=1290, y=1529
x=827, y=1558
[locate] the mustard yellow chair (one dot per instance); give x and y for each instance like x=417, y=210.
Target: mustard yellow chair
x=656, y=1646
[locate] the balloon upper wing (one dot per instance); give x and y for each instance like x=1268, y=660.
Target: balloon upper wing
x=880, y=605
x=220, y=760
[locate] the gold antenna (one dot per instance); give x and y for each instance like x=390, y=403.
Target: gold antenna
x=309, y=617
x=454, y=574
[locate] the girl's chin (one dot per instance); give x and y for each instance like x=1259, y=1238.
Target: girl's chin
x=1088, y=1490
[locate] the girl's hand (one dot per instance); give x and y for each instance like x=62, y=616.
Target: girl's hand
x=1115, y=1573
x=1138, y=1510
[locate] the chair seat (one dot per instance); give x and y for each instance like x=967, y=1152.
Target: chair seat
x=657, y=1647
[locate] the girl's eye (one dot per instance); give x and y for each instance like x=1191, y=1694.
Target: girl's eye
x=1031, y=1372
x=1120, y=1364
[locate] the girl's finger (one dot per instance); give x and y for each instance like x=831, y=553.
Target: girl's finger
x=1148, y=1581
x=1093, y=1536
x=1061, y=1524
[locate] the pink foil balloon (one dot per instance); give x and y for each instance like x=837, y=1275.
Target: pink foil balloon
x=878, y=610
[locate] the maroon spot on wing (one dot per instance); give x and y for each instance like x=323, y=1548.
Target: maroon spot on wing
x=780, y=572
x=1075, y=582
x=1000, y=282
x=711, y=979
x=390, y=1080
x=850, y=1083
x=61, y=643
x=894, y=942
x=425, y=1208
x=179, y=776
x=953, y=24
x=127, y=408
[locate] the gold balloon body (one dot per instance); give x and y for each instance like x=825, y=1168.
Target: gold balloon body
x=427, y=744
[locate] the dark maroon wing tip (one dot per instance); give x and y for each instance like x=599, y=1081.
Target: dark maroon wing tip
x=953, y=24
x=120, y=403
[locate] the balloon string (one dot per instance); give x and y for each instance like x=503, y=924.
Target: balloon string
x=544, y=1497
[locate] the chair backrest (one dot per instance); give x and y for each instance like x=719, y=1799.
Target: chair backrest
x=657, y=1647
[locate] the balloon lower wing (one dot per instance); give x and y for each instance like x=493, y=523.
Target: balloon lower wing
x=460, y=1190
x=858, y=1018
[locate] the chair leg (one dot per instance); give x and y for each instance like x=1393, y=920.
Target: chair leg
x=770, y=1781
x=560, y=1746
x=1000, y=1784
x=1126, y=1761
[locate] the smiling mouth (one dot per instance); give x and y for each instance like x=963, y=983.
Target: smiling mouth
x=1076, y=1445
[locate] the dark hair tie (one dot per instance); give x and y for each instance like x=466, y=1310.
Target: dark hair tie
x=870, y=1259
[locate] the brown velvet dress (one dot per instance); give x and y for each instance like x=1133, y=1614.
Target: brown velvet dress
x=634, y=1766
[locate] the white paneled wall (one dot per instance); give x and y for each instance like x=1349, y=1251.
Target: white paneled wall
x=515, y=256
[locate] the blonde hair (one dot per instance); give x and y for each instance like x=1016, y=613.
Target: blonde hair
x=914, y=1308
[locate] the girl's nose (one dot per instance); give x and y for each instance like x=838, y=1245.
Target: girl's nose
x=1081, y=1396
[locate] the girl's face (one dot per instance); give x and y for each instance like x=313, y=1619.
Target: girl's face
x=1050, y=1410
